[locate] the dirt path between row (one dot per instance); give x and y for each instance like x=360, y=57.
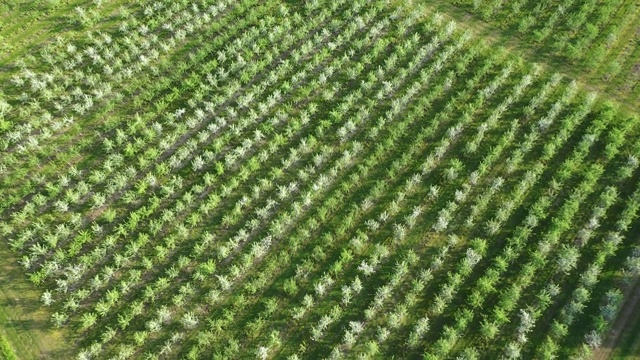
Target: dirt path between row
x=622, y=321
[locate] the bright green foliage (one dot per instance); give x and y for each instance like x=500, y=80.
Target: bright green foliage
x=314, y=179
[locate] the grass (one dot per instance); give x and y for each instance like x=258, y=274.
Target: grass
x=26, y=25
x=614, y=89
x=513, y=41
x=25, y=326
x=24, y=322
x=6, y=351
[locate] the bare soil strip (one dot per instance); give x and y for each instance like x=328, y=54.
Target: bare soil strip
x=624, y=320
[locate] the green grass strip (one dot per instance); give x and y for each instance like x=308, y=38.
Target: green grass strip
x=6, y=351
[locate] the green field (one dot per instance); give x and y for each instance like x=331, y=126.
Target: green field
x=597, y=39
x=319, y=179
x=6, y=352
